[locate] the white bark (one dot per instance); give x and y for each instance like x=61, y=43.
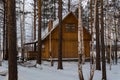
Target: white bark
x=22, y=28
x=109, y=33
x=80, y=43
x=92, y=55
x=80, y=33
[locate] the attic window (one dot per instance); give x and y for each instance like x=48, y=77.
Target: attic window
x=43, y=47
x=70, y=27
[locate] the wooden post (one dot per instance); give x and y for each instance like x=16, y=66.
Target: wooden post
x=50, y=25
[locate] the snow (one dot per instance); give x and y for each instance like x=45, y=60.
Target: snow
x=46, y=72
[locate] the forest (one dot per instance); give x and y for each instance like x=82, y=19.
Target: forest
x=57, y=36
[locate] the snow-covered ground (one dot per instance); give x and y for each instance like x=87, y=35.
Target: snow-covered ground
x=46, y=72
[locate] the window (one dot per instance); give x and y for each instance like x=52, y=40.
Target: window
x=70, y=27
x=43, y=47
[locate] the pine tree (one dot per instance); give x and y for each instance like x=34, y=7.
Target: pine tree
x=96, y=24
x=6, y=31
x=4, y=25
x=69, y=4
x=12, y=40
x=116, y=60
x=102, y=44
x=60, y=36
x=39, y=55
x=34, y=19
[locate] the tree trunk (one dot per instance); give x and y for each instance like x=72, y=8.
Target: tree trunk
x=60, y=36
x=23, y=32
x=4, y=25
x=109, y=47
x=0, y=49
x=80, y=43
x=69, y=3
x=12, y=40
x=6, y=32
x=102, y=44
x=34, y=19
x=115, y=34
x=98, y=65
x=39, y=55
x=92, y=61
x=116, y=60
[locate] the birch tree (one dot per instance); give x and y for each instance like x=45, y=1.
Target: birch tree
x=22, y=28
x=109, y=41
x=80, y=43
x=92, y=54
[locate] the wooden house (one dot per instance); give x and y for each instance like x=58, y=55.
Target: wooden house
x=69, y=41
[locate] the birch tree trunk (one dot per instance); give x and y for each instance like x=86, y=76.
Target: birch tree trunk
x=22, y=27
x=91, y=43
x=109, y=35
x=80, y=43
x=92, y=55
x=12, y=41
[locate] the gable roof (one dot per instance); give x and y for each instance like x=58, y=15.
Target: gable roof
x=45, y=33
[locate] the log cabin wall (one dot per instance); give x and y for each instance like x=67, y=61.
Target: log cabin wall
x=70, y=39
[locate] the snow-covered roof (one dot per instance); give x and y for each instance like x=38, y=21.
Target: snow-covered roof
x=45, y=33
